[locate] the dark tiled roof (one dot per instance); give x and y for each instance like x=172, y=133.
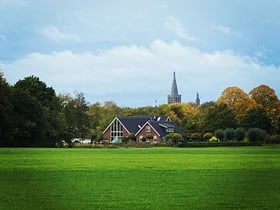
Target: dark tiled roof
x=134, y=123
x=160, y=127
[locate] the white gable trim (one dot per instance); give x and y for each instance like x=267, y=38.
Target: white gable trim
x=116, y=118
x=147, y=123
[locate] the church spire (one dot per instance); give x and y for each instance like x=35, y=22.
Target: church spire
x=197, y=100
x=174, y=96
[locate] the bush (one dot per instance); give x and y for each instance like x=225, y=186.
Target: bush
x=229, y=134
x=239, y=134
x=149, y=137
x=213, y=139
x=275, y=139
x=256, y=135
x=131, y=137
x=195, y=136
x=207, y=136
x=220, y=134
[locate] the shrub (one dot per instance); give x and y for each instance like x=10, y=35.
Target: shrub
x=131, y=137
x=239, y=134
x=149, y=137
x=195, y=136
x=256, y=135
x=275, y=139
x=125, y=139
x=174, y=137
x=229, y=134
x=207, y=136
x=213, y=139
x=220, y=134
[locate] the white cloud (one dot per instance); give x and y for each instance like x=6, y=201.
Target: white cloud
x=137, y=75
x=174, y=25
x=224, y=29
x=54, y=34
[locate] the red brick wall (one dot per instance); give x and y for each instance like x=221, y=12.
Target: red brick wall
x=144, y=133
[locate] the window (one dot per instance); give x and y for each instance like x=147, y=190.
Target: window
x=169, y=130
x=148, y=129
x=116, y=130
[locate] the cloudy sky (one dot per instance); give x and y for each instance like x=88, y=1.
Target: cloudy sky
x=127, y=50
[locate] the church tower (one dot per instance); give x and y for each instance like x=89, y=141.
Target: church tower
x=197, y=100
x=174, y=96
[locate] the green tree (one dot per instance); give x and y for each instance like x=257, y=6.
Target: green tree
x=256, y=135
x=256, y=118
x=52, y=120
x=220, y=134
x=6, y=113
x=219, y=116
x=229, y=134
x=75, y=110
x=239, y=134
x=30, y=120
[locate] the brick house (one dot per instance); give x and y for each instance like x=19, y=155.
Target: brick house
x=141, y=126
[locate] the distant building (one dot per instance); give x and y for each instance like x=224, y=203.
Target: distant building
x=174, y=96
x=197, y=100
x=156, y=126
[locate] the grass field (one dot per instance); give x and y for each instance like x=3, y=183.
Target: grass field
x=130, y=178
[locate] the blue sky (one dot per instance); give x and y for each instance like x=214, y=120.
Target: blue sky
x=126, y=51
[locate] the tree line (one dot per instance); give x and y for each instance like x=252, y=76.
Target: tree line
x=32, y=114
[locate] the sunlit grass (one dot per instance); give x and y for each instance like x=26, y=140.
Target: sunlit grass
x=151, y=178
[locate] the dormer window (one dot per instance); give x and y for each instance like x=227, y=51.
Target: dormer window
x=169, y=130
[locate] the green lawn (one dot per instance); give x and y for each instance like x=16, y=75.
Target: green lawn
x=150, y=178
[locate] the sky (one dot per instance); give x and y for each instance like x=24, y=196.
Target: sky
x=127, y=50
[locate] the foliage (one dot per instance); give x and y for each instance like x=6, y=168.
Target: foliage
x=7, y=116
x=207, y=136
x=256, y=135
x=149, y=137
x=219, y=116
x=195, y=136
x=131, y=137
x=257, y=118
x=220, y=134
x=275, y=139
x=237, y=100
x=32, y=114
x=239, y=134
x=213, y=139
x=229, y=134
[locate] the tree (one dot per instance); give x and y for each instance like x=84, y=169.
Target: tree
x=46, y=99
x=237, y=100
x=30, y=120
x=267, y=99
x=256, y=118
x=239, y=134
x=6, y=113
x=229, y=134
x=220, y=134
x=76, y=115
x=256, y=135
x=219, y=116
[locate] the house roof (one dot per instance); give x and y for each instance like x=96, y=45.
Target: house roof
x=160, y=127
x=133, y=123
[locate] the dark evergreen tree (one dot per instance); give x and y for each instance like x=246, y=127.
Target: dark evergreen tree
x=219, y=117
x=256, y=118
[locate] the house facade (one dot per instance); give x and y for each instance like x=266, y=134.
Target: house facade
x=153, y=127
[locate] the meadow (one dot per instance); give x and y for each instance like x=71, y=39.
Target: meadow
x=140, y=178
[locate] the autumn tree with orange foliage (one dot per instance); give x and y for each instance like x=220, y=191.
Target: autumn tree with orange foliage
x=237, y=100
